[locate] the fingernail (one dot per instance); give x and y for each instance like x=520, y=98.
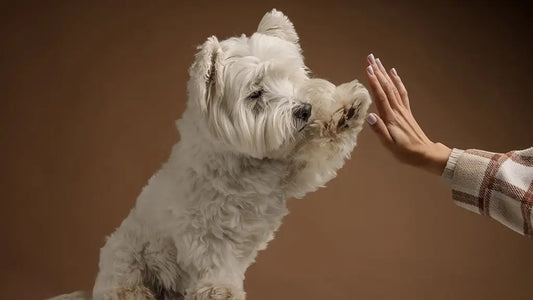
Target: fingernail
x=371, y=119
x=371, y=59
x=379, y=63
x=370, y=70
x=393, y=71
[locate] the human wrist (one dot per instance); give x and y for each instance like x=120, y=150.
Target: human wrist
x=437, y=155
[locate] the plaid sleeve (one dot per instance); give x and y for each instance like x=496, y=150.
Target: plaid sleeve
x=497, y=185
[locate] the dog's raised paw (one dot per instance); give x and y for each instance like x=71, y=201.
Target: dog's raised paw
x=348, y=114
x=355, y=100
x=336, y=108
x=344, y=118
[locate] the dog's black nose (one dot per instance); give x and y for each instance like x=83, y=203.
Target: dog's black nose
x=303, y=112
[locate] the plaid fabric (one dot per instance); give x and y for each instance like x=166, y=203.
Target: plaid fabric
x=496, y=185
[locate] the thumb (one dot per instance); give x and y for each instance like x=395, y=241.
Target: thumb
x=378, y=126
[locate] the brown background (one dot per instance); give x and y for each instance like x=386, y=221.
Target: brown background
x=89, y=95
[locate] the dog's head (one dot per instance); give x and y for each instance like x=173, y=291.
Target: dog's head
x=245, y=88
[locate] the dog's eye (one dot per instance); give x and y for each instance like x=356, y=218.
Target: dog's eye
x=256, y=94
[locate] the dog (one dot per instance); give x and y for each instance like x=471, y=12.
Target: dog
x=257, y=131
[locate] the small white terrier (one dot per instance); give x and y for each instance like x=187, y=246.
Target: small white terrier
x=256, y=132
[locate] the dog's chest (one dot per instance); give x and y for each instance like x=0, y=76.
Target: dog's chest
x=250, y=223
x=248, y=203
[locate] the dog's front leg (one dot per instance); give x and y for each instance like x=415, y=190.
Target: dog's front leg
x=210, y=290
x=217, y=284
x=337, y=118
x=121, y=275
x=212, y=268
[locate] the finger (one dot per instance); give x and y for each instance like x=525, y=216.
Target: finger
x=379, y=127
x=370, y=59
x=380, y=98
x=386, y=75
x=387, y=86
x=401, y=88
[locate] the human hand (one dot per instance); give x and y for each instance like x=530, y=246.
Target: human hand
x=395, y=124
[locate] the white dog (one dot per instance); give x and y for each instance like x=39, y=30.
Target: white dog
x=256, y=132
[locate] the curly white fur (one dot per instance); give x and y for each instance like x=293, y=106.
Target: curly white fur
x=220, y=197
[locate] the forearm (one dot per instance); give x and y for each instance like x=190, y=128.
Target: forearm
x=496, y=185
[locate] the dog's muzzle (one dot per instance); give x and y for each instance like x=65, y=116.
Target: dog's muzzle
x=302, y=112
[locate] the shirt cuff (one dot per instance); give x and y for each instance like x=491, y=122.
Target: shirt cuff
x=447, y=174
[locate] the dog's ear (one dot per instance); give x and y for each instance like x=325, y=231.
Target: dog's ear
x=275, y=23
x=206, y=73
